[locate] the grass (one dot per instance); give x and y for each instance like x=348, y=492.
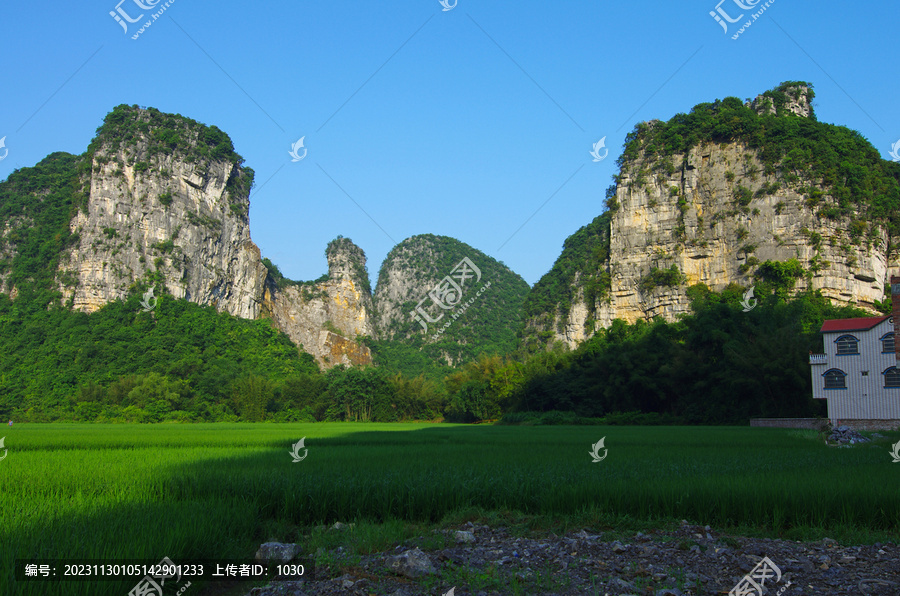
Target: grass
x=212, y=491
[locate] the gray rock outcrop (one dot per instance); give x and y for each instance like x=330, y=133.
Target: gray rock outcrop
x=412, y=563
x=327, y=317
x=171, y=224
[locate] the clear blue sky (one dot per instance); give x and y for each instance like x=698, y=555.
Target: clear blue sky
x=466, y=123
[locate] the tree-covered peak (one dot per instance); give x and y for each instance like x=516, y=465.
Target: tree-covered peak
x=838, y=171
x=440, y=301
x=126, y=125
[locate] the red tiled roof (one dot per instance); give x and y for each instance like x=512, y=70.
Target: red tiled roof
x=859, y=324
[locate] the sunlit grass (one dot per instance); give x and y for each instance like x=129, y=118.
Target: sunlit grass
x=218, y=490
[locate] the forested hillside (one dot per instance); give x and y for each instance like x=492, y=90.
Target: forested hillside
x=581, y=272
x=718, y=365
x=481, y=310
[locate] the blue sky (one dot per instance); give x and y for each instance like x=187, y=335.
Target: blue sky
x=474, y=122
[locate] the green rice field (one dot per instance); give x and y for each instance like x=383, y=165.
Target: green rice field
x=208, y=491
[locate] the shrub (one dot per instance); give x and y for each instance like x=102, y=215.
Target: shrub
x=661, y=277
x=743, y=195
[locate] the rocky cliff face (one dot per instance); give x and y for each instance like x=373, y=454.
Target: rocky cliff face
x=409, y=272
x=170, y=223
x=327, y=317
x=789, y=99
x=694, y=221
x=710, y=216
x=168, y=205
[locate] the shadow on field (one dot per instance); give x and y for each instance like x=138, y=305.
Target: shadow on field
x=218, y=491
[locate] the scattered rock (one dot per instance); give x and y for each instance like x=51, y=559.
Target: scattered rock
x=280, y=589
x=577, y=559
x=340, y=526
x=277, y=552
x=412, y=563
x=620, y=584
x=466, y=537
x=843, y=435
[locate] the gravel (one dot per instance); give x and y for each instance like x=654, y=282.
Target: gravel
x=689, y=561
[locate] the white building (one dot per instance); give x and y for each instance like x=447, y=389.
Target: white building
x=858, y=372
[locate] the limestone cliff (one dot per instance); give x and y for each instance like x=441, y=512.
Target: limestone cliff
x=711, y=214
x=327, y=317
x=168, y=206
x=694, y=221
x=170, y=217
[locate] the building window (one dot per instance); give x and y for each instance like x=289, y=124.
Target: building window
x=847, y=344
x=891, y=377
x=835, y=379
x=887, y=343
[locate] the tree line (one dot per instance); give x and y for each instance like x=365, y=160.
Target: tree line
x=189, y=363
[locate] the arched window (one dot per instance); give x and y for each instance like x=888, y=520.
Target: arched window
x=891, y=377
x=835, y=378
x=847, y=344
x=887, y=343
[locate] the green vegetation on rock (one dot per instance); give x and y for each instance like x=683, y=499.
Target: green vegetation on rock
x=658, y=278
x=487, y=325
x=147, y=136
x=582, y=265
x=858, y=181
x=55, y=361
x=184, y=362
x=37, y=204
x=718, y=365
